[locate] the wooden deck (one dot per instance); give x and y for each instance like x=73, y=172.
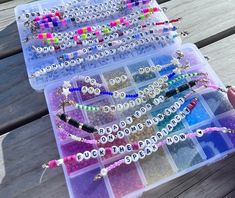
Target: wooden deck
x=26, y=137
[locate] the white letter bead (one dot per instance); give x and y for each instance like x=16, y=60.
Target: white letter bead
x=127, y=159
x=106, y=109
x=119, y=107
x=101, y=152
x=84, y=89
x=154, y=147
x=129, y=120
x=148, y=150
x=141, y=154
x=148, y=142
x=154, y=139
x=131, y=103
x=87, y=79
x=167, y=112
x=115, y=150
x=133, y=129
x=103, y=139
x=122, y=95
x=87, y=155
x=120, y=134
x=91, y=90
x=156, y=101
x=176, y=138
x=141, y=70
x=181, y=100
x=140, y=127
x=137, y=114
x=148, y=123
x=115, y=127
x=148, y=107
x=97, y=91
x=79, y=157
x=169, y=141
x=94, y=153
x=127, y=131
x=138, y=101
x=122, y=124
x=113, y=108
x=101, y=131
x=141, y=144
x=129, y=148
x=112, y=82
x=182, y=137
x=110, y=138
x=108, y=130
x=118, y=80
x=124, y=78
x=134, y=157
x=116, y=94
x=199, y=133
x=143, y=110
x=104, y=172
x=122, y=149
x=155, y=120
x=125, y=106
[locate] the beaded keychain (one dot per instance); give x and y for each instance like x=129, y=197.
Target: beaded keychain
x=161, y=40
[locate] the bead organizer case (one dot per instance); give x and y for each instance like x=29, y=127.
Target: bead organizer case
x=37, y=61
x=170, y=161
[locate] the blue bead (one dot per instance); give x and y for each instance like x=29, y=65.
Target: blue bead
x=171, y=75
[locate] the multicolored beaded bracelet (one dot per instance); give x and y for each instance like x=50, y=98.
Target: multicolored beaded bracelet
x=122, y=149
x=153, y=147
x=161, y=40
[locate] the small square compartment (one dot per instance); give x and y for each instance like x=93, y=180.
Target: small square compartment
x=125, y=179
x=166, y=120
x=217, y=102
x=156, y=166
x=141, y=135
x=138, y=78
x=66, y=127
x=117, y=73
x=100, y=118
x=229, y=121
x=212, y=143
x=85, y=97
x=77, y=147
x=198, y=114
x=185, y=154
x=83, y=185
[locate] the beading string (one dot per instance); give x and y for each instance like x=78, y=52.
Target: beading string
x=134, y=157
x=161, y=40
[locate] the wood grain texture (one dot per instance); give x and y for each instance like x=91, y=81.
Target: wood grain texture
x=202, y=18
x=18, y=101
x=23, y=151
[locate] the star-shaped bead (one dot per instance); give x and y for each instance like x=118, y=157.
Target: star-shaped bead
x=66, y=92
x=67, y=84
x=175, y=61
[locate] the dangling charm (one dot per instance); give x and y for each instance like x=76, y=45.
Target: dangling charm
x=231, y=95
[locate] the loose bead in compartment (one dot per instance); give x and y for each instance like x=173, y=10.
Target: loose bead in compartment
x=73, y=148
x=156, y=166
x=99, y=118
x=185, y=154
x=116, y=76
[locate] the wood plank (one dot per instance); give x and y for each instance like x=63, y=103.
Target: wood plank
x=216, y=180
x=202, y=18
x=18, y=101
x=218, y=14
x=23, y=151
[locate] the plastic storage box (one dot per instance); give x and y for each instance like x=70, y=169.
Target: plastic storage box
x=170, y=162
x=35, y=62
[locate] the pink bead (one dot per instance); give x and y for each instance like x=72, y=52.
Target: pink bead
x=129, y=5
x=89, y=29
x=97, y=33
x=135, y=146
x=145, y=10
x=41, y=26
x=75, y=37
x=113, y=23
x=64, y=22
x=122, y=20
x=40, y=36
x=80, y=31
x=49, y=35
x=127, y=23
x=155, y=9
x=52, y=164
x=37, y=18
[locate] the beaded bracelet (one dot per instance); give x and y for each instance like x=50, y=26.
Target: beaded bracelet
x=162, y=40
x=97, y=44
x=101, y=151
x=125, y=106
x=153, y=147
x=99, y=36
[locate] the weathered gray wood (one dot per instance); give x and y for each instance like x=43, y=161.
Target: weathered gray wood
x=218, y=15
x=216, y=180
x=18, y=101
x=202, y=18
x=22, y=153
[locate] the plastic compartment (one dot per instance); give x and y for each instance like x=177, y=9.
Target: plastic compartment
x=168, y=162
x=34, y=62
